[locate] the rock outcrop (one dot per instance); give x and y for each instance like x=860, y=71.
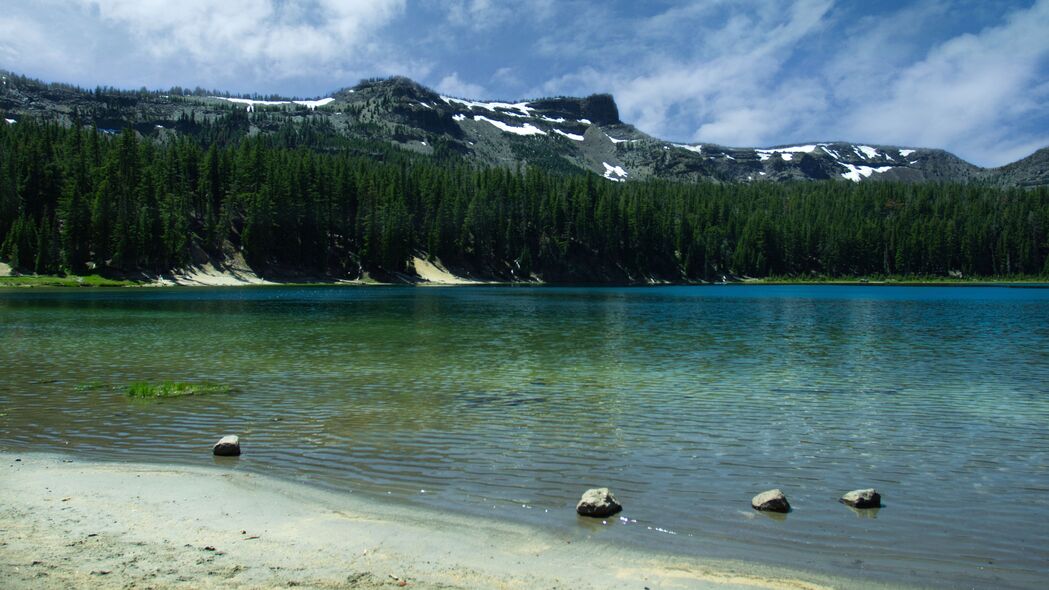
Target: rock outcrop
x=771, y=501
x=868, y=498
x=228, y=446
x=598, y=503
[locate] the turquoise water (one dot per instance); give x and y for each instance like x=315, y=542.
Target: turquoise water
x=509, y=402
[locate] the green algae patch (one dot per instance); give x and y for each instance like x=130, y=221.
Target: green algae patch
x=64, y=281
x=175, y=389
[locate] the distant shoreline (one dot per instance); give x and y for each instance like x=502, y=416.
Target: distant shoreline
x=96, y=281
x=74, y=523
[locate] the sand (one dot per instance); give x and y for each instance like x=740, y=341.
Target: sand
x=434, y=273
x=209, y=276
x=233, y=271
x=70, y=523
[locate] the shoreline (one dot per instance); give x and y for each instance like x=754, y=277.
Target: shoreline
x=433, y=274
x=68, y=522
x=95, y=282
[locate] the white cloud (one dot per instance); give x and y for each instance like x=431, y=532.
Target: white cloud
x=968, y=92
x=791, y=108
x=506, y=77
x=452, y=85
x=487, y=14
x=215, y=42
x=735, y=72
x=26, y=43
x=738, y=74
x=725, y=90
x=875, y=47
x=283, y=38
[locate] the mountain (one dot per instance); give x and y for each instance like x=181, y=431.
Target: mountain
x=389, y=180
x=556, y=134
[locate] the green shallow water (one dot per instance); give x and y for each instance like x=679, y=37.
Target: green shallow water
x=511, y=401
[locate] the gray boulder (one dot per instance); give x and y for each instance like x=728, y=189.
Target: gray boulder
x=599, y=503
x=868, y=498
x=770, y=501
x=228, y=446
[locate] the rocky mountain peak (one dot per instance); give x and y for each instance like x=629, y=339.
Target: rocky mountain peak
x=600, y=109
x=558, y=133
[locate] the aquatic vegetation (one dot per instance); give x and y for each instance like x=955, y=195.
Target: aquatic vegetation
x=175, y=389
x=62, y=281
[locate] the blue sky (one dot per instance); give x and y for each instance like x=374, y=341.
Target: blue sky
x=969, y=76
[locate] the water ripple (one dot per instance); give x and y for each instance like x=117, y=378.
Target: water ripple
x=686, y=401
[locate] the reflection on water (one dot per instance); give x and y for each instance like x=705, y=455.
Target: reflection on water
x=686, y=401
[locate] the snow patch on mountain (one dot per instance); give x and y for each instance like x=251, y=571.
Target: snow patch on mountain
x=614, y=173
x=905, y=153
x=252, y=103
x=459, y=117
x=312, y=104
x=832, y=153
x=572, y=136
x=527, y=129
x=868, y=152
x=522, y=108
x=10, y=121
x=692, y=148
x=785, y=152
x=855, y=173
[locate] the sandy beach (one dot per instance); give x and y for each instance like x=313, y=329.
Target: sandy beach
x=71, y=523
x=435, y=274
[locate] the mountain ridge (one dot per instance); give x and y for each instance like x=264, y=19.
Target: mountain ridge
x=387, y=177
x=558, y=133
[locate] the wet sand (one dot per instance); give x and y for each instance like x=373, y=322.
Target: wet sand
x=71, y=523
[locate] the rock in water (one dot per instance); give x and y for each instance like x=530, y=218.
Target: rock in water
x=770, y=501
x=228, y=446
x=598, y=502
x=869, y=498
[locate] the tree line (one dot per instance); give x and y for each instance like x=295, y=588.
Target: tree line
x=74, y=199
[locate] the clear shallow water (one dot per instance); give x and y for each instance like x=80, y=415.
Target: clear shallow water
x=511, y=401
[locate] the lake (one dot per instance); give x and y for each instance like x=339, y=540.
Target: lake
x=508, y=402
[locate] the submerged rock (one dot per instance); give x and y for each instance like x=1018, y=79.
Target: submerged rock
x=868, y=498
x=598, y=502
x=770, y=501
x=228, y=446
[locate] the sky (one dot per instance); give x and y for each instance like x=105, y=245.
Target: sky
x=968, y=76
